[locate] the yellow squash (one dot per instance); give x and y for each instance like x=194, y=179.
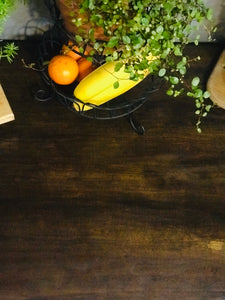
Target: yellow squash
x=97, y=87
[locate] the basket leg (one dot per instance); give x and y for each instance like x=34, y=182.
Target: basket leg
x=135, y=125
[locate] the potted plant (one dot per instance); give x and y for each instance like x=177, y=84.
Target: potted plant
x=9, y=50
x=127, y=32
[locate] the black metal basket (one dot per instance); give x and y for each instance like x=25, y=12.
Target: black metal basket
x=121, y=106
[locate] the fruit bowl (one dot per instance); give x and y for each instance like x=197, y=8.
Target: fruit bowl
x=120, y=106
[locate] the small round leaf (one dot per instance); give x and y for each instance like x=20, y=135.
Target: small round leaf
x=195, y=81
x=162, y=72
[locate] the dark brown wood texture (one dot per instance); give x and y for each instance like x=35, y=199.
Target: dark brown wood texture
x=91, y=210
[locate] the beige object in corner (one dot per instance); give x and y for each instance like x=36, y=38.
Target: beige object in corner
x=216, y=82
x=6, y=114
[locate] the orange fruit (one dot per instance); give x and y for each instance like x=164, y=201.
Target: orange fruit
x=66, y=50
x=63, y=69
x=85, y=67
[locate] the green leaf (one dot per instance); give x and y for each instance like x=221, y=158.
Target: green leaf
x=115, y=55
x=118, y=66
x=168, y=6
x=89, y=58
x=198, y=93
x=113, y=42
x=109, y=59
x=97, y=45
x=170, y=92
x=177, y=51
x=126, y=39
x=145, y=21
x=190, y=94
x=132, y=75
x=206, y=94
x=159, y=29
x=176, y=93
x=195, y=81
x=199, y=130
x=78, y=38
x=137, y=41
x=208, y=107
x=184, y=60
x=128, y=69
x=174, y=79
x=162, y=72
x=91, y=4
x=116, y=85
x=209, y=14
x=91, y=33
x=183, y=70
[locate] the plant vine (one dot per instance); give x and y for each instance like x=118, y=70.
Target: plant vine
x=134, y=29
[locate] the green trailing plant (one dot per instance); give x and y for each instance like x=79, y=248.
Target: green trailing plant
x=135, y=28
x=9, y=50
x=5, y=9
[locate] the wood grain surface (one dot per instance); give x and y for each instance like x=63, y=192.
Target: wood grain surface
x=91, y=210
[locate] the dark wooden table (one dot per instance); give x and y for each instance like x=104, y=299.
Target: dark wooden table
x=91, y=210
